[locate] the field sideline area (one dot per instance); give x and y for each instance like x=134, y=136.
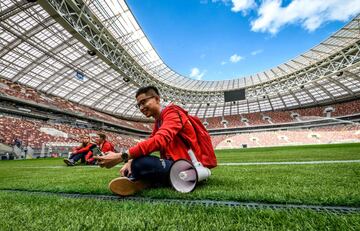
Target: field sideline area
x=329, y=182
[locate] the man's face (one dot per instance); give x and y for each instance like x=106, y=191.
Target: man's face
x=148, y=105
x=85, y=140
x=99, y=140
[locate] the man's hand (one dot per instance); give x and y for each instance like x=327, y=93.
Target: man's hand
x=109, y=160
x=111, y=153
x=126, y=169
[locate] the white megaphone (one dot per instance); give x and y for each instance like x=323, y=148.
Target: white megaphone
x=185, y=175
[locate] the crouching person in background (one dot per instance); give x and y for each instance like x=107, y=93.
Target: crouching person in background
x=103, y=147
x=80, y=152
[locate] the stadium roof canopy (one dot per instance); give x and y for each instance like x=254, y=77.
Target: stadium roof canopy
x=46, y=44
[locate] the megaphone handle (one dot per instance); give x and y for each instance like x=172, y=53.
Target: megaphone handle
x=193, y=157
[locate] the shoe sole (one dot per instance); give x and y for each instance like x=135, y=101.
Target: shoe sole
x=67, y=162
x=124, y=187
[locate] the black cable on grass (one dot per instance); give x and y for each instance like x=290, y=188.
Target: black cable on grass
x=248, y=205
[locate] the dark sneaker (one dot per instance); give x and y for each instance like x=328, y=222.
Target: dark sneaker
x=123, y=186
x=69, y=162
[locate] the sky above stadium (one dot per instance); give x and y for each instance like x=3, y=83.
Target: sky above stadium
x=226, y=39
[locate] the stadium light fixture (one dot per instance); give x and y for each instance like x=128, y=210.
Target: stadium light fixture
x=91, y=52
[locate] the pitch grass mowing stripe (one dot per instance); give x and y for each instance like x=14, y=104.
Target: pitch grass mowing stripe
x=21, y=211
x=291, y=163
x=249, y=205
x=222, y=164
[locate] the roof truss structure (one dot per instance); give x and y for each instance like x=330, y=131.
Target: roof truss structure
x=44, y=44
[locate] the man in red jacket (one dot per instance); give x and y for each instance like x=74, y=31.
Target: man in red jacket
x=173, y=135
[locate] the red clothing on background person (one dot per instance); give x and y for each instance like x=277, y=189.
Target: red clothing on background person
x=79, y=150
x=106, y=146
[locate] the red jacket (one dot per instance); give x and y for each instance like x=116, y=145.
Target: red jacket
x=81, y=149
x=168, y=136
x=106, y=147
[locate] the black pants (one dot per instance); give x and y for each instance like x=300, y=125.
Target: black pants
x=151, y=168
x=77, y=157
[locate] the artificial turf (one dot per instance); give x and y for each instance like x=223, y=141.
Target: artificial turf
x=292, y=153
x=325, y=184
x=316, y=184
x=21, y=211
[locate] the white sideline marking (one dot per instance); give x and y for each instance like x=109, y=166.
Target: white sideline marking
x=291, y=163
x=221, y=164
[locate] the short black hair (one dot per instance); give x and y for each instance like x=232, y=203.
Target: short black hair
x=152, y=90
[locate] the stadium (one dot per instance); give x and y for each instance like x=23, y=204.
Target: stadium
x=287, y=139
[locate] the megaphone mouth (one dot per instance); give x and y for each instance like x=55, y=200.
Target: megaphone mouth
x=183, y=176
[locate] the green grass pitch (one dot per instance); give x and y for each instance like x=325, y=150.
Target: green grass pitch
x=312, y=184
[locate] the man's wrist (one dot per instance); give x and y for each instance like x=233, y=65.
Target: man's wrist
x=125, y=156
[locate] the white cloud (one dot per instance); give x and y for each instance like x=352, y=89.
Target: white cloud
x=309, y=13
x=223, y=63
x=235, y=58
x=256, y=52
x=272, y=15
x=196, y=73
x=238, y=5
x=242, y=5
